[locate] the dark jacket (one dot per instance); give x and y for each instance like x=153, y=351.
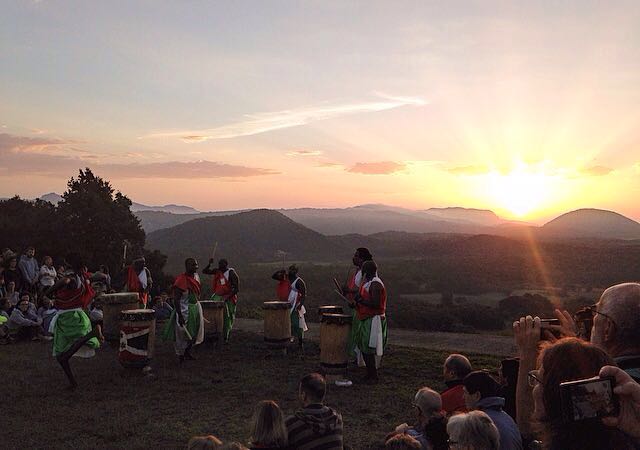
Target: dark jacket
x=630, y=364
x=315, y=427
x=510, y=438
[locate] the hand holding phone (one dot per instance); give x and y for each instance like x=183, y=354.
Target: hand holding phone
x=590, y=398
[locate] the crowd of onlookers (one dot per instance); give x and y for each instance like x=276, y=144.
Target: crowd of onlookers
x=26, y=308
x=523, y=406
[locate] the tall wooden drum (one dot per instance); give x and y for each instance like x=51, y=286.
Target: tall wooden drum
x=213, y=312
x=329, y=309
x=277, y=324
x=112, y=306
x=137, y=337
x=334, y=338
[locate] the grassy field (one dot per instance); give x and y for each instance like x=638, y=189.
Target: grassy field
x=216, y=394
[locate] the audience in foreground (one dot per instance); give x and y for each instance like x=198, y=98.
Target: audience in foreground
x=473, y=431
x=204, y=443
x=481, y=393
x=455, y=368
x=430, y=429
x=402, y=442
x=315, y=426
x=267, y=427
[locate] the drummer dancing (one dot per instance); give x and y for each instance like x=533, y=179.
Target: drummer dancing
x=352, y=289
x=370, y=326
x=186, y=324
x=225, y=288
x=71, y=327
x=138, y=279
x=296, y=296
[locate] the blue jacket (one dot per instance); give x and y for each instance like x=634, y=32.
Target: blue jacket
x=510, y=438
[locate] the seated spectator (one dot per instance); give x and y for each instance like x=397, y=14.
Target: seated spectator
x=315, y=426
x=455, y=368
x=430, y=429
x=267, y=427
x=402, y=442
x=47, y=275
x=570, y=359
x=24, y=321
x=204, y=443
x=481, y=393
x=12, y=294
x=473, y=431
x=30, y=271
x=162, y=308
x=3, y=286
x=12, y=274
x=5, y=306
x=46, y=313
x=508, y=381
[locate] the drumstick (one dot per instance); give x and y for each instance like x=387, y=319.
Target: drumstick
x=342, y=296
x=215, y=247
x=124, y=254
x=337, y=285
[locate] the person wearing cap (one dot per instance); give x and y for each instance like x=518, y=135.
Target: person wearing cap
x=225, y=288
x=431, y=423
x=138, y=279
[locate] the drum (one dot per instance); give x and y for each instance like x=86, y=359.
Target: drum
x=137, y=337
x=277, y=324
x=213, y=318
x=329, y=309
x=334, y=338
x=112, y=306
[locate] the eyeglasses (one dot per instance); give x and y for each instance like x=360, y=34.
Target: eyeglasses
x=533, y=378
x=593, y=309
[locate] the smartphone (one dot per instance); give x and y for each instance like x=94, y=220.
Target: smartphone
x=545, y=324
x=588, y=399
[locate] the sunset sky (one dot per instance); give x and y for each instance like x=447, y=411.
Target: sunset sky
x=530, y=109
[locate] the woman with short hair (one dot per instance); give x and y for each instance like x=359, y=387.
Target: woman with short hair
x=473, y=431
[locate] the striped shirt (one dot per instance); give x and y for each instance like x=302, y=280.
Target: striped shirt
x=316, y=427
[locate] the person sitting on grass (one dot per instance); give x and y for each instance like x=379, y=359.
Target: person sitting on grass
x=481, y=393
x=430, y=429
x=24, y=322
x=473, y=431
x=204, y=443
x=162, y=308
x=5, y=306
x=267, y=427
x=315, y=426
x=455, y=368
x=46, y=312
x=402, y=442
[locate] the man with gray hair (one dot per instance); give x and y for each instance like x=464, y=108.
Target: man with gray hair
x=616, y=326
x=431, y=424
x=455, y=368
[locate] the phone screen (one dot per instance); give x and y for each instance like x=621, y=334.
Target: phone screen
x=588, y=399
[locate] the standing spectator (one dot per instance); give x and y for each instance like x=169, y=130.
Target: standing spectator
x=570, y=359
x=12, y=274
x=315, y=426
x=267, y=427
x=47, y=276
x=30, y=271
x=430, y=429
x=455, y=368
x=481, y=393
x=473, y=431
x=24, y=321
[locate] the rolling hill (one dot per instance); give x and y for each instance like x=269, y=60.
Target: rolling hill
x=591, y=223
x=54, y=198
x=253, y=236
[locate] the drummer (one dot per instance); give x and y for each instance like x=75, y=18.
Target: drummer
x=225, y=288
x=138, y=279
x=296, y=296
x=186, y=324
x=71, y=328
x=351, y=290
x=370, y=326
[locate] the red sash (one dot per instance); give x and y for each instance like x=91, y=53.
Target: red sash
x=223, y=290
x=78, y=297
x=186, y=282
x=282, y=290
x=133, y=285
x=365, y=311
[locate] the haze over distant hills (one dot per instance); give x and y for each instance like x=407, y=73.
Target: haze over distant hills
x=54, y=198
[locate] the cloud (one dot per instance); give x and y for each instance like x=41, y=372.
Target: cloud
x=278, y=120
x=304, y=153
x=596, y=171
x=328, y=164
x=468, y=170
x=377, y=168
x=21, y=155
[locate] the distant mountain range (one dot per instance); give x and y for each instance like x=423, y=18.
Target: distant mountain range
x=54, y=198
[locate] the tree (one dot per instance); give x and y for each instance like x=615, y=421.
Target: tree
x=96, y=222
x=24, y=223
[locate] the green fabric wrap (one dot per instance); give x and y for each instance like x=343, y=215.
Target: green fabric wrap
x=69, y=327
x=193, y=321
x=361, y=331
